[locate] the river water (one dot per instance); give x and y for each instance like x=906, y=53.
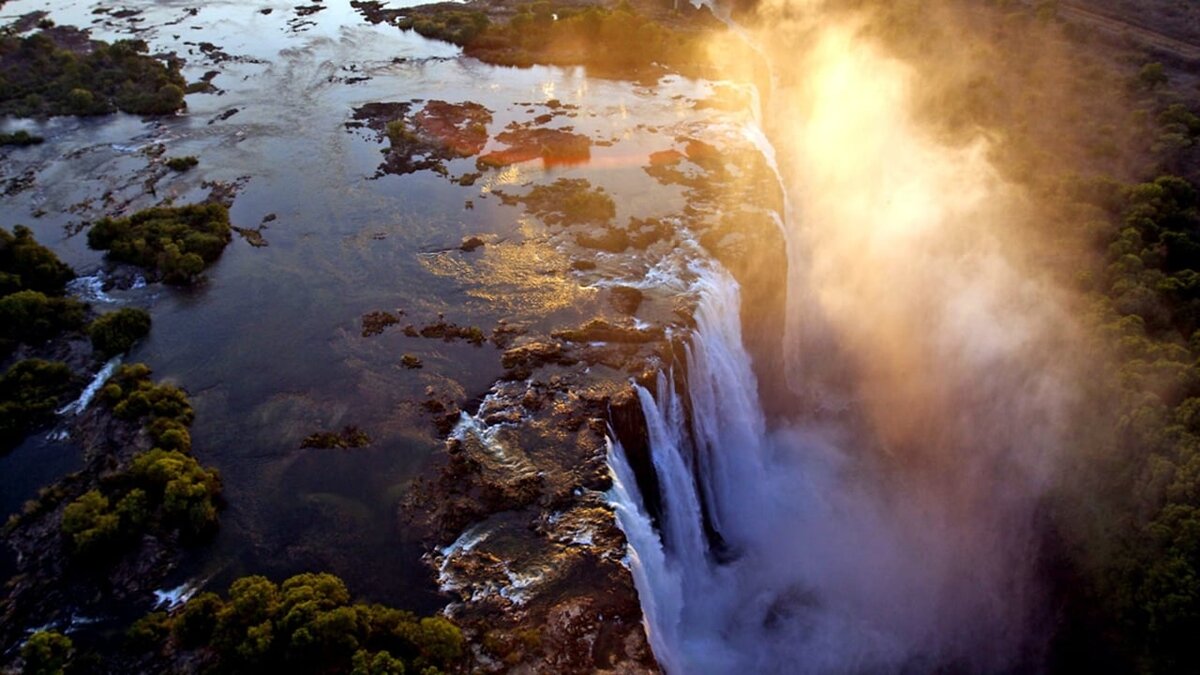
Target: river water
x=269, y=347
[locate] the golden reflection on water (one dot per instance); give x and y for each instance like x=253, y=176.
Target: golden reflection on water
x=526, y=278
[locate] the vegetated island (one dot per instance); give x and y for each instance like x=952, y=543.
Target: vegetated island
x=172, y=243
x=620, y=41
x=49, y=341
x=61, y=71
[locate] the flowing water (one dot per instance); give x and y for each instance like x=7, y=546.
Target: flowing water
x=269, y=347
x=889, y=522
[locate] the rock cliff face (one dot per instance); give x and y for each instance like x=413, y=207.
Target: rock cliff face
x=520, y=531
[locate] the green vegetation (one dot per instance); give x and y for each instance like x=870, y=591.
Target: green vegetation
x=454, y=26
x=132, y=396
x=21, y=137
x=32, y=283
x=46, y=652
x=32, y=317
x=182, y=163
x=349, y=437
x=30, y=393
x=307, y=624
x=570, y=201
x=117, y=332
x=616, y=39
x=176, y=242
x=400, y=134
x=27, y=265
x=32, y=311
x=163, y=489
x=42, y=77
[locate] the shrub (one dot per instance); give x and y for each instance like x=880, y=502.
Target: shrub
x=116, y=332
x=27, y=265
x=90, y=525
x=46, y=652
x=30, y=393
x=33, y=317
x=184, y=491
x=175, y=242
x=182, y=163
x=309, y=624
x=42, y=78
x=19, y=138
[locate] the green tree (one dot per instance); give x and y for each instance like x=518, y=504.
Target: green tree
x=46, y=652
x=117, y=332
x=89, y=525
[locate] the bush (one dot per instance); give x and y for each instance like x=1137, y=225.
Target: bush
x=43, y=78
x=149, y=631
x=46, y=653
x=90, y=526
x=30, y=393
x=309, y=624
x=27, y=265
x=133, y=396
x=33, y=317
x=175, y=242
x=185, y=492
x=116, y=332
x=20, y=138
x=182, y=163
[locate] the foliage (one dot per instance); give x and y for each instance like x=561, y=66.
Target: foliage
x=133, y=396
x=27, y=265
x=1147, y=304
x=46, y=653
x=20, y=137
x=41, y=77
x=616, y=39
x=309, y=624
x=116, y=332
x=570, y=201
x=90, y=525
x=182, y=163
x=32, y=317
x=176, y=242
x=451, y=25
x=30, y=392
x=184, y=491
x=349, y=437
x=163, y=489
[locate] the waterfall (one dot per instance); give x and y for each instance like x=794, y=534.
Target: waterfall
x=777, y=552
x=89, y=392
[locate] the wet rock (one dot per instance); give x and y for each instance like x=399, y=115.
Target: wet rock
x=437, y=133
x=625, y=299
x=504, y=334
x=224, y=115
x=410, y=362
x=470, y=244
x=307, y=10
x=253, y=236
x=526, y=357
x=374, y=323
x=552, y=146
x=599, y=330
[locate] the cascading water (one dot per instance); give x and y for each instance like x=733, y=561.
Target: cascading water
x=902, y=533
x=821, y=568
x=708, y=615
